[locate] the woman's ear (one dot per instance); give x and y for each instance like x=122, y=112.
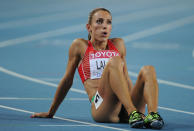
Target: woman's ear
x=88, y=27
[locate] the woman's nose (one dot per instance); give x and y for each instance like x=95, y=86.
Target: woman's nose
x=104, y=26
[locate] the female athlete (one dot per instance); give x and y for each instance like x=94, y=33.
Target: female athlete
x=102, y=66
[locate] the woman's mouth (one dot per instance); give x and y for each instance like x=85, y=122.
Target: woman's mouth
x=104, y=34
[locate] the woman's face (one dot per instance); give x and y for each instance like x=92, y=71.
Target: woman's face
x=101, y=26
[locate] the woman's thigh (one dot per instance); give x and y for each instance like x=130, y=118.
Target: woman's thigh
x=109, y=109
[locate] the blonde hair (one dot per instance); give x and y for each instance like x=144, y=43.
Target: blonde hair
x=91, y=16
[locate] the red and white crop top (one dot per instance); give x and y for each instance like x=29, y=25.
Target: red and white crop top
x=93, y=62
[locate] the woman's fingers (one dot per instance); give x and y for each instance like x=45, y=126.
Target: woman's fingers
x=40, y=115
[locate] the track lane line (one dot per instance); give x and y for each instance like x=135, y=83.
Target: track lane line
x=73, y=89
x=22, y=98
x=80, y=27
x=159, y=29
x=41, y=19
x=66, y=119
x=175, y=110
x=165, y=82
x=24, y=77
x=138, y=15
x=9, y=72
x=38, y=36
x=64, y=125
x=86, y=99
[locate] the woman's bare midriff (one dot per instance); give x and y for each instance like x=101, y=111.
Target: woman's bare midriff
x=91, y=87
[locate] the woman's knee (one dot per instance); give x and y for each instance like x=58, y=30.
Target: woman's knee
x=148, y=73
x=116, y=63
x=148, y=70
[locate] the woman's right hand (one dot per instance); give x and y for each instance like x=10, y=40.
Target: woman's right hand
x=41, y=115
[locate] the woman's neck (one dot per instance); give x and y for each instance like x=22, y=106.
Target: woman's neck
x=99, y=45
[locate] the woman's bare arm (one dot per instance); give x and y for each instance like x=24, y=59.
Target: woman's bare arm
x=65, y=83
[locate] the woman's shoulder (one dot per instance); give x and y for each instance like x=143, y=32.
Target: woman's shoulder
x=79, y=42
x=78, y=46
x=119, y=44
x=117, y=40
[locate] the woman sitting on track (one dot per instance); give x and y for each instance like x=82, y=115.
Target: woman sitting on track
x=102, y=67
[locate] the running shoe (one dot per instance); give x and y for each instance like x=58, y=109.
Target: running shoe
x=136, y=119
x=154, y=121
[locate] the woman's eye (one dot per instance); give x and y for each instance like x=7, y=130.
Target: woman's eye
x=109, y=22
x=99, y=21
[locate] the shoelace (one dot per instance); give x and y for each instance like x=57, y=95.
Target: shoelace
x=137, y=115
x=155, y=115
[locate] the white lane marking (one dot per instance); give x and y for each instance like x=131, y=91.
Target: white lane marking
x=97, y=125
x=170, y=83
x=75, y=121
x=175, y=110
x=78, y=99
x=16, y=109
x=35, y=80
x=65, y=125
x=81, y=27
x=19, y=98
x=85, y=99
x=160, y=107
x=193, y=53
x=118, y=19
x=158, y=29
x=50, y=79
x=155, y=46
x=83, y=92
x=41, y=19
x=175, y=84
x=150, y=13
x=66, y=30
x=30, y=9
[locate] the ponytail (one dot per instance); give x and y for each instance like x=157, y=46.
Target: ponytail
x=89, y=36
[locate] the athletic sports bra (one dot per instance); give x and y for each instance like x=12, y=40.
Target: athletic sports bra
x=93, y=62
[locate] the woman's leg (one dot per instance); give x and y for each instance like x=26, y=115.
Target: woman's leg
x=145, y=90
x=114, y=90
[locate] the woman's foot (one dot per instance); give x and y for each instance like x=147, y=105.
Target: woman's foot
x=136, y=119
x=154, y=121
